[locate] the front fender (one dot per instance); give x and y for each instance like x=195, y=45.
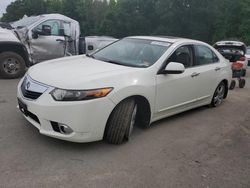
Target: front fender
x=17, y=47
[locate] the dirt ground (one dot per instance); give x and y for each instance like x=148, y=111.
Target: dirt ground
x=205, y=147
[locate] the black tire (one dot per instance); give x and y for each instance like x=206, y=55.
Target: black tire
x=118, y=126
x=232, y=85
x=219, y=95
x=242, y=83
x=244, y=73
x=12, y=65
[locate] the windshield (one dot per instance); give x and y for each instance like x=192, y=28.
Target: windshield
x=133, y=52
x=25, y=22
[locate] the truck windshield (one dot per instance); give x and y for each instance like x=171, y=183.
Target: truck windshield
x=133, y=52
x=25, y=22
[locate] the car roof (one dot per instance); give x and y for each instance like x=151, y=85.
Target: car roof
x=169, y=39
x=55, y=16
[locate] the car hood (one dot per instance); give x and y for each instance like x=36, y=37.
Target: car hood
x=7, y=36
x=79, y=72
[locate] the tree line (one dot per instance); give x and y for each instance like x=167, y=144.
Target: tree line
x=206, y=20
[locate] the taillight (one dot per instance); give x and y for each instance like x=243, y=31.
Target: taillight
x=242, y=58
x=237, y=66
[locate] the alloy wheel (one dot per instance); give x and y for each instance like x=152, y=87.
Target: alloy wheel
x=219, y=95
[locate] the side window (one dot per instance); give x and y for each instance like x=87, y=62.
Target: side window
x=182, y=55
x=205, y=55
x=66, y=28
x=54, y=24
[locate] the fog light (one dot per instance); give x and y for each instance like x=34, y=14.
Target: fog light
x=61, y=128
x=64, y=129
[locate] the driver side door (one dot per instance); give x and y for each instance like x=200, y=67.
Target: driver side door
x=176, y=92
x=47, y=47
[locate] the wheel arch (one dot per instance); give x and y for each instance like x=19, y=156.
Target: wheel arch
x=144, y=110
x=17, y=48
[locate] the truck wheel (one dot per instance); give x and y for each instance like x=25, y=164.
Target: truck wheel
x=219, y=95
x=121, y=122
x=12, y=65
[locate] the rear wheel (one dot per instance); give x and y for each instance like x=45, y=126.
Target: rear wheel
x=121, y=122
x=242, y=83
x=219, y=95
x=12, y=65
x=244, y=73
x=232, y=85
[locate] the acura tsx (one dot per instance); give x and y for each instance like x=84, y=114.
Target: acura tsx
x=134, y=81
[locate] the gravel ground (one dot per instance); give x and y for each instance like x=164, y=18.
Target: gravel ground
x=205, y=147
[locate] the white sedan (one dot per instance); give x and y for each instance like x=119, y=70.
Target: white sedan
x=136, y=80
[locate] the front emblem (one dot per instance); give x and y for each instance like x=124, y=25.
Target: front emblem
x=27, y=86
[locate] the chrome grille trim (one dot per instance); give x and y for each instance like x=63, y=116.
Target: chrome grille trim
x=32, y=89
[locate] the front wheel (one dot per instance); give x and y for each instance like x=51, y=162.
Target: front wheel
x=121, y=122
x=12, y=65
x=219, y=95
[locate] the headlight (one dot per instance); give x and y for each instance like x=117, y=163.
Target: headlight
x=79, y=95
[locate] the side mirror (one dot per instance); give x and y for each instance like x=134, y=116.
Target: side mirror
x=35, y=34
x=174, y=68
x=46, y=31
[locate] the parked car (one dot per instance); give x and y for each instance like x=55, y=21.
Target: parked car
x=136, y=80
x=234, y=51
x=38, y=38
x=248, y=55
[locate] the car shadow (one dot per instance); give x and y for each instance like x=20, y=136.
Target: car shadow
x=57, y=144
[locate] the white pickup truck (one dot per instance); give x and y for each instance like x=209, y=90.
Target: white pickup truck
x=38, y=38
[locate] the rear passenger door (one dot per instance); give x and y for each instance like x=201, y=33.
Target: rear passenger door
x=206, y=68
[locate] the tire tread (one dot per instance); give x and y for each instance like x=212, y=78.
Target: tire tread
x=119, y=122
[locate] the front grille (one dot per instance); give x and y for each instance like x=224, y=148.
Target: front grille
x=29, y=94
x=32, y=89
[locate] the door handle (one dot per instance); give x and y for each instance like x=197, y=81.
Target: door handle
x=217, y=69
x=195, y=74
x=60, y=40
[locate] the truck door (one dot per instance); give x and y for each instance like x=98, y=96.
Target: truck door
x=50, y=46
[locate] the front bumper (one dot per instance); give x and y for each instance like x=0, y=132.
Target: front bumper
x=87, y=119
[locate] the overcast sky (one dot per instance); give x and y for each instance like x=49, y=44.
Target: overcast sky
x=3, y=5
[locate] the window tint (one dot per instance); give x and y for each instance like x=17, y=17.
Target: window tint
x=182, y=55
x=205, y=55
x=54, y=24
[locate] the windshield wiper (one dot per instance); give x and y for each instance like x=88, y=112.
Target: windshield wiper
x=91, y=56
x=120, y=63
x=114, y=62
